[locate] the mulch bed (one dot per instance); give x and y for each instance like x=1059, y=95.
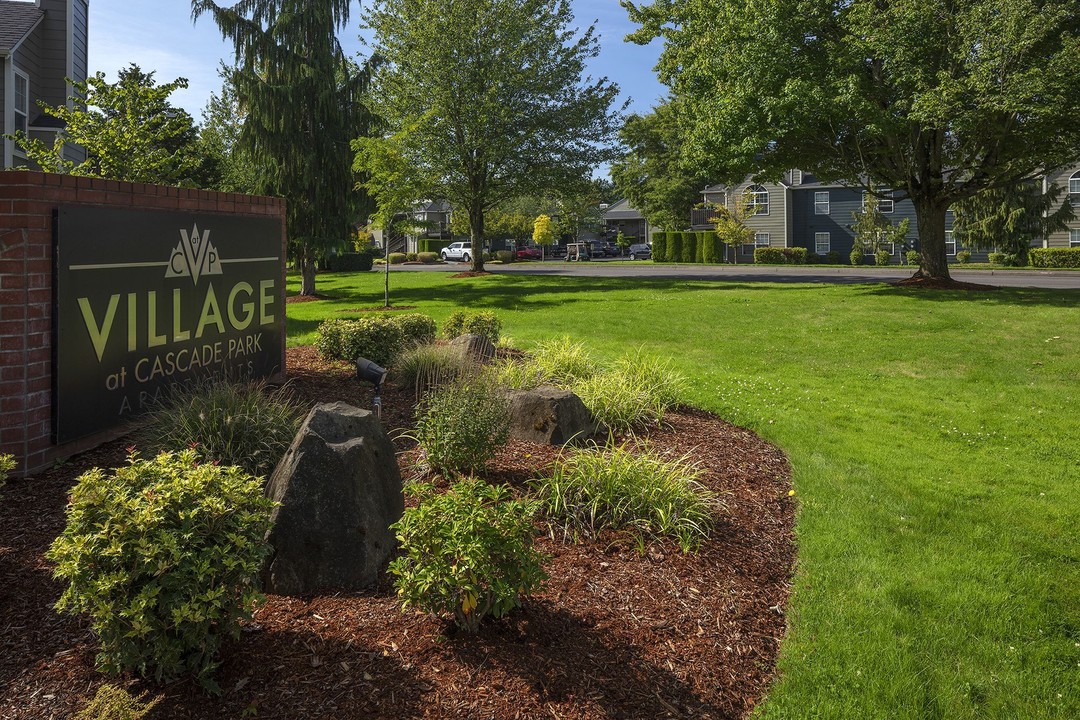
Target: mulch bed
x=303, y=298
x=470, y=274
x=614, y=634
x=379, y=308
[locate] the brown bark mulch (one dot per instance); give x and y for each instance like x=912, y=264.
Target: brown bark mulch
x=470, y=273
x=304, y=298
x=614, y=634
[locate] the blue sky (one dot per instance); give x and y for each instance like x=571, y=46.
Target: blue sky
x=159, y=35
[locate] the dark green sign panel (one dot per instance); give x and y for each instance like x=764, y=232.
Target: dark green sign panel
x=145, y=299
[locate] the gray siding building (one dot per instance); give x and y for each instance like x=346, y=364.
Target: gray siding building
x=42, y=43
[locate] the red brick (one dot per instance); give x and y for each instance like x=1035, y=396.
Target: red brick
x=13, y=373
x=39, y=414
x=11, y=431
x=40, y=354
x=13, y=404
x=11, y=328
x=39, y=295
x=91, y=196
x=12, y=388
x=12, y=343
x=42, y=385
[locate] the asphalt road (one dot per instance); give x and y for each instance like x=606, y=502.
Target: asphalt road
x=1052, y=280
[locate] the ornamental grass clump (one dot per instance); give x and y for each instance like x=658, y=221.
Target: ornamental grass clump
x=637, y=390
x=559, y=362
x=467, y=553
x=231, y=423
x=634, y=489
x=431, y=366
x=7, y=464
x=163, y=554
x=462, y=426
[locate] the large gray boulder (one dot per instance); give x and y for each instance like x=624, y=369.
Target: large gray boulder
x=339, y=490
x=476, y=346
x=549, y=416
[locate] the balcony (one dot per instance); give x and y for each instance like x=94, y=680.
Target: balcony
x=703, y=218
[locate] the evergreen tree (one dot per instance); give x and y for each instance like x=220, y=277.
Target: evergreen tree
x=301, y=95
x=1009, y=219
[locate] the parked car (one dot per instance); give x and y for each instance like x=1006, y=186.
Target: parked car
x=457, y=251
x=603, y=248
x=640, y=251
x=529, y=253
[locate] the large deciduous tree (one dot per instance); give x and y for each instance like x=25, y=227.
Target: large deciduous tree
x=128, y=129
x=301, y=95
x=651, y=174
x=483, y=101
x=219, y=139
x=940, y=100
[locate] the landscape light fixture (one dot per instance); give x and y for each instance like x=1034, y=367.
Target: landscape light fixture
x=367, y=371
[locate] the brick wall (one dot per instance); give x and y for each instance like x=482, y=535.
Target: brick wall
x=27, y=202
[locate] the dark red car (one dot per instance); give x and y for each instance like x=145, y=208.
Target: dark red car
x=528, y=253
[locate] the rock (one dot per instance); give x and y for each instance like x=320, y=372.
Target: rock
x=476, y=346
x=549, y=415
x=339, y=490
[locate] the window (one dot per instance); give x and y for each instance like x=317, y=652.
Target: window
x=885, y=204
x=757, y=199
x=950, y=243
x=821, y=203
x=1074, y=190
x=22, y=100
x=761, y=239
x=822, y=243
x=1074, y=238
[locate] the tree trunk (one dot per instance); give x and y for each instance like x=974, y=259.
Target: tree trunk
x=933, y=263
x=476, y=235
x=307, y=273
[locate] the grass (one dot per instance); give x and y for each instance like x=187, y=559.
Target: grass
x=936, y=452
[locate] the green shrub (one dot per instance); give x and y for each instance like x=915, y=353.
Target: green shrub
x=881, y=258
x=430, y=366
x=712, y=250
x=659, y=245
x=428, y=258
x=1054, y=257
x=232, y=423
x=462, y=426
x=689, y=247
x=794, y=255
x=699, y=246
x=769, y=256
x=856, y=257
x=112, y=702
x=963, y=257
x=410, y=257
x=912, y=257
x=834, y=258
x=163, y=555
x=467, y=553
x=350, y=261
x=485, y=323
x=7, y=464
x=1013, y=260
x=674, y=247
x=397, y=258
x=416, y=329
x=504, y=256
x=996, y=258
x=377, y=338
x=428, y=245
x=633, y=489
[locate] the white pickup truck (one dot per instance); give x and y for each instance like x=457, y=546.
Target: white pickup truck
x=457, y=251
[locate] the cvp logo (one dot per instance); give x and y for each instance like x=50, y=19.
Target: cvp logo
x=194, y=256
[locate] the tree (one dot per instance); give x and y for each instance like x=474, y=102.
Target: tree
x=484, y=101
x=622, y=242
x=651, y=174
x=129, y=131
x=731, y=224
x=578, y=207
x=940, y=101
x=219, y=138
x=301, y=95
x=872, y=229
x=1009, y=219
x=543, y=233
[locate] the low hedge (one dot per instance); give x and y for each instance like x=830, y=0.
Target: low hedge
x=378, y=338
x=350, y=262
x=795, y=255
x=769, y=256
x=504, y=256
x=428, y=258
x=712, y=250
x=689, y=247
x=1055, y=257
x=397, y=258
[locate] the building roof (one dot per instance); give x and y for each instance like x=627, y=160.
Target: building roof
x=621, y=210
x=17, y=20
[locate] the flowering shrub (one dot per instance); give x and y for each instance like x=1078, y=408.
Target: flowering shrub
x=467, y=553
x=162, y=555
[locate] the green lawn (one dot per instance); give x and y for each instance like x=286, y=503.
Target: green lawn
x=936, y=444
